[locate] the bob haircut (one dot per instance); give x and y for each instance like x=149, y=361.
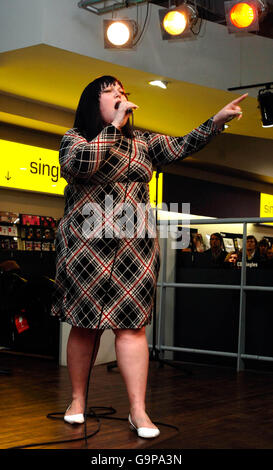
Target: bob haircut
x=88, y=120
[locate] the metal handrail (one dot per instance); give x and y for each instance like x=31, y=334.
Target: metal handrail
x=244, y=220
x=243, y=288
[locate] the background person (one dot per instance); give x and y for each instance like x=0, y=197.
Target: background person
x=263, y=246
x=252, y=253
x=216, y=254
x=231, y=259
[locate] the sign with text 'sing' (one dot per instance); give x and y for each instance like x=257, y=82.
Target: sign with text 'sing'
x=266, y=206
x=33, y=168
x=30, y=168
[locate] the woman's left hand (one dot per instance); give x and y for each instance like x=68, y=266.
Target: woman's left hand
x=229, y=112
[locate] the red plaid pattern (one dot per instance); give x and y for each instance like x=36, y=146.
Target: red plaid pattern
x=93, y=170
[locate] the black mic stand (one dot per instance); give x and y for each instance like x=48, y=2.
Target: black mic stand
x=154, y=353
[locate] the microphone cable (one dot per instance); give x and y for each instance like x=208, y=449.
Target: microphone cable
x=92, y=414
x=105, y=292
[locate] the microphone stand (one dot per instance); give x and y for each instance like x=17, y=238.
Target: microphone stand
x=154, y=353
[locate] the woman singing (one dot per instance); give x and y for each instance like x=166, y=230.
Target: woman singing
x=110, y=281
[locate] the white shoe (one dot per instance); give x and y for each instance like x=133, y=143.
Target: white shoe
x=143, y=432
x=74, y=419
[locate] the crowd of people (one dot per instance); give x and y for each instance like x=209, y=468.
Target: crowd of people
x=259, y=254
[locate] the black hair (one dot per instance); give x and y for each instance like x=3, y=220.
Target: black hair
x=220, y=238
x=250, y=237
x=88, y=120
x=218, y=235
x=264, y=242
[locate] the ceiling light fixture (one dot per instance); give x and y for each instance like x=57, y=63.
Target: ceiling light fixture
x=159, y=83
x=119, y=34
x=244, y=16
x=176, y=23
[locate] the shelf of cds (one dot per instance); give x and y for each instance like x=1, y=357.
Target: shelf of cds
x=26, y=232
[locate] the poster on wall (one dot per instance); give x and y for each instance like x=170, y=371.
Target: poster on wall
x=37, y=169
x=229, y=244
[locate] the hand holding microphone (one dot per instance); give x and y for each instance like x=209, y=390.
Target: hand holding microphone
x=124, y=109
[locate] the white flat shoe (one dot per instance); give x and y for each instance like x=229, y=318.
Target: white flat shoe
x=143, y=432
x=74, y=419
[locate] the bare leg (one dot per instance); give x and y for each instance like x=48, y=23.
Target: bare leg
x=80, y=346
x=133, y=361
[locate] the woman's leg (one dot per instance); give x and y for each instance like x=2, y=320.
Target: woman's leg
x=133, y=360
x=80, y=346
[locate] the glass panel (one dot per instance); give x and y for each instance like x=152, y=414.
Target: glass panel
x=259, y=327
x=212, y=256
x=259, y=254
x=206, y=319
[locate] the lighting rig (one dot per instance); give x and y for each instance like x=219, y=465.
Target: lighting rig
x=178, y=22
x=179, y=19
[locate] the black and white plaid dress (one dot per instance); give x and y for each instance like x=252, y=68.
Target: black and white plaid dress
x=83, y=296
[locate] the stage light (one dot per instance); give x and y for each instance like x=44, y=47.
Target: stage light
x=119, y=34
x=176, y=23
x=244, y=16
x=265, y=99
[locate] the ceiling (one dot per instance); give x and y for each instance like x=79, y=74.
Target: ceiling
x=52, y=78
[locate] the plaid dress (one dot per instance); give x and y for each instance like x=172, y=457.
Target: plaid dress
x=107, y=281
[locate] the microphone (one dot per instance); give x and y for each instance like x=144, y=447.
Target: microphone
x=128, y=111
